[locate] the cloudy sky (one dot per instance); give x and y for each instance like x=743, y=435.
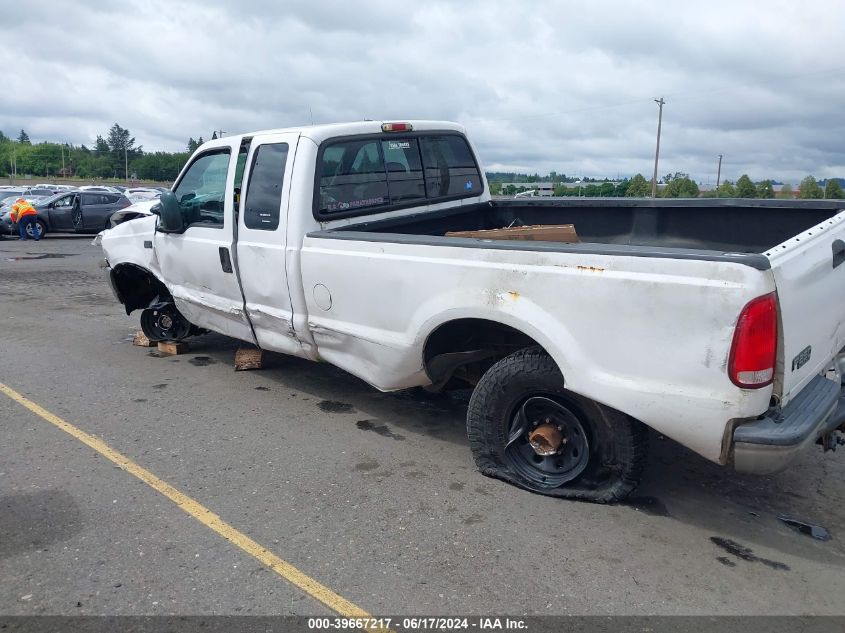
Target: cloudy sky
x=564, y=86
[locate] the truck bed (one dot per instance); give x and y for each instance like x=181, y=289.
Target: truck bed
x=706, y=228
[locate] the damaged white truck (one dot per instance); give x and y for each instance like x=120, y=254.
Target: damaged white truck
x=718, y=324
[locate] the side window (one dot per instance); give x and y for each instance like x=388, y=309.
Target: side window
x=202, y=189
x=89, y=199
x=264, y=189
x=65, y=201
x=111, y=198
x=449, y=167
x=405, y=181
x=352, y=177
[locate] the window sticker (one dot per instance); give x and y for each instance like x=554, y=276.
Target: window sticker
x=468, y=185
x=399, y=145
x=355, y=204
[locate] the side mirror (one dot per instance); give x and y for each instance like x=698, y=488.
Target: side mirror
x=156, y=209
x=170, y=215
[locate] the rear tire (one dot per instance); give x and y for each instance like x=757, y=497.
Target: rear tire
x=526, y=389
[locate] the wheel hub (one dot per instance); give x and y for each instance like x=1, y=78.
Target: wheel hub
x=547, y=444
x=546, y=439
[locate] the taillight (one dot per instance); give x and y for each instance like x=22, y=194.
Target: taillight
x=755, y=344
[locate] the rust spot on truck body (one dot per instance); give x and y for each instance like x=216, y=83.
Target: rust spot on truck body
x=591, y=269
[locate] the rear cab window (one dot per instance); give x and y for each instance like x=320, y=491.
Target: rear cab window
x=382, y=172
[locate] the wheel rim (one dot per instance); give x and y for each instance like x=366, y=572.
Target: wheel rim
x=547, y=444
x=164, y=324
x=34, y=230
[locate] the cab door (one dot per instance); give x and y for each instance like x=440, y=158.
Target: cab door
x=196, y=264
x=262, y=239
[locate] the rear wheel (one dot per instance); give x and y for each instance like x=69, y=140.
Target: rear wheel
x=524, y=427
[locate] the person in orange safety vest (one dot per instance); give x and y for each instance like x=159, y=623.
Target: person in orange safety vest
x=24, y=214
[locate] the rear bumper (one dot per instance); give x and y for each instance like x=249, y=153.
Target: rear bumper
x=771, y=443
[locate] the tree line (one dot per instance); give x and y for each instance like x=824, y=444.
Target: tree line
x=113, y=155
x=677, y=185
x=116, y=155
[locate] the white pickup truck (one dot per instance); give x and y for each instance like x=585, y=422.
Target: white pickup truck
x=716, y=323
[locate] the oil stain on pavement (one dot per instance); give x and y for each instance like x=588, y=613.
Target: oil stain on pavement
x=744, y=553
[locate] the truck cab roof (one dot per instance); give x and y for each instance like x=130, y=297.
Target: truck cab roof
x=322, y=132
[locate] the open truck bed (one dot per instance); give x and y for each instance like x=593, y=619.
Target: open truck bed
x=723, y=227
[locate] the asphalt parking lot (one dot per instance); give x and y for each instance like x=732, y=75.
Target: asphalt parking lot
x=372, y=495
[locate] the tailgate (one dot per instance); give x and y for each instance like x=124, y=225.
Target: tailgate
x=809, y=273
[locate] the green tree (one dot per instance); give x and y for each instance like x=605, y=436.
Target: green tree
x=809, y=189
x=639, y=187
x=786, y=191
x=745, y=188
x=122, y=148
x=765, y=189
x=726, y=190
x=23, y=138
x=622, y=188
x=680, y=187
x=214, y=136
x=833, y=189
x=495, y=188
x=607, y=190
x=100, y=145
x=192, y=145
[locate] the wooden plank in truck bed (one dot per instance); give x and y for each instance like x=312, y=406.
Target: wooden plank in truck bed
x=536, y=233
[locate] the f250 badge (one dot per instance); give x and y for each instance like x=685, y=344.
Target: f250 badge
x=799, y=361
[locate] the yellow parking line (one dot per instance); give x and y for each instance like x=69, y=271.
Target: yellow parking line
x=202, y=514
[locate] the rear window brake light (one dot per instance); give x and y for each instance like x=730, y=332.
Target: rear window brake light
x=396, y=127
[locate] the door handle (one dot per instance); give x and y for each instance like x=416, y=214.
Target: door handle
x=225, y=259
x=838, y=252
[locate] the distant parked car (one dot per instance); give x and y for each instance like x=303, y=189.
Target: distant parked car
x=102, y=188
x=76, y=212
x=23, y=192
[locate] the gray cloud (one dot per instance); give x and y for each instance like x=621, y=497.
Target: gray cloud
x=562, y=86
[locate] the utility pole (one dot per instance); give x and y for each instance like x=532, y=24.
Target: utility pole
x=126, y=162
x=63, y=159
x=660, y=103
x=718, y=175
